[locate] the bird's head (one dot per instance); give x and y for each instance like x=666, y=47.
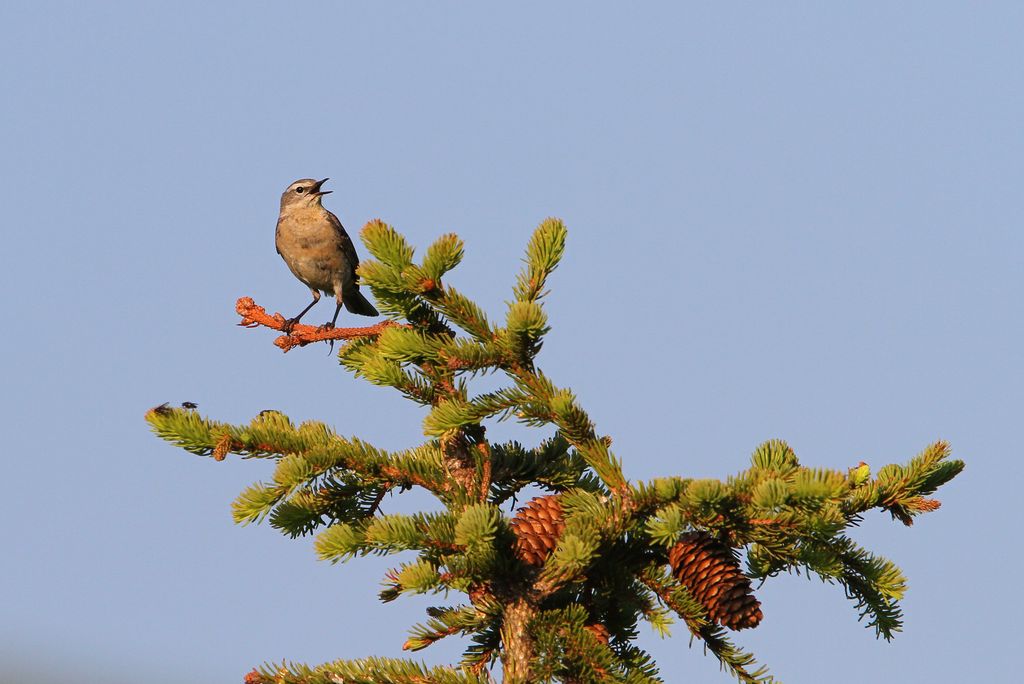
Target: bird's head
x=302, y=193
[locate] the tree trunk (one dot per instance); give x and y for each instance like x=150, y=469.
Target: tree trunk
x=517, y=657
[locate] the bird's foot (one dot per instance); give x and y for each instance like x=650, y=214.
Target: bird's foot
x=329, y=325
x=289, y=325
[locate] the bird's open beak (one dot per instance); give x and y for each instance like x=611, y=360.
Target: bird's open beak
x=316, y=188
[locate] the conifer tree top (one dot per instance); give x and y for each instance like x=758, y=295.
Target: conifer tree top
x=557, y=590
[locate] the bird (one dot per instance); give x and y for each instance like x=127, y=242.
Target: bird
x=318, y=251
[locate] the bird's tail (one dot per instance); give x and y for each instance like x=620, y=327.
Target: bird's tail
x=358, y=304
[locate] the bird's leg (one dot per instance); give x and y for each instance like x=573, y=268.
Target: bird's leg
x=330, y=326
x=290, y=323
x=337, y=310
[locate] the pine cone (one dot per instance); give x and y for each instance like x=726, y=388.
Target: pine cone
x=538, y=526
x=710, y=572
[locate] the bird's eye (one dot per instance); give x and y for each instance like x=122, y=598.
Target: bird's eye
x=300, y=190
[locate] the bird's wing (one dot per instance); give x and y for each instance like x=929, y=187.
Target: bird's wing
x=345, y=242
x=277, y=237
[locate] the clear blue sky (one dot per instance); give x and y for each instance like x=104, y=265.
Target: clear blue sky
x=795, y=220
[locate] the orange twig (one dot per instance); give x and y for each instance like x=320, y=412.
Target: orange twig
x=765, y=521
x=254, y=315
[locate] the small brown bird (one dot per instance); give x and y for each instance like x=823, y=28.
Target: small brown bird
x=314, y=244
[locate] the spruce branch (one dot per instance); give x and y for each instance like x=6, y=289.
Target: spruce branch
x=387, y=245
x=442, y=256
x=254, y=316
x=547, y=403
x=445, y=622
x=552, y=465
x=544, y=252
x=875, y=584
x=458, y=308
x=419, y=577
x=366, y=671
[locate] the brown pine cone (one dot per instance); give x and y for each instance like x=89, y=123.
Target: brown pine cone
x=538, y=526
x=712, y=575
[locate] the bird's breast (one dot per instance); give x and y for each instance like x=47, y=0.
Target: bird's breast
x=310, y=247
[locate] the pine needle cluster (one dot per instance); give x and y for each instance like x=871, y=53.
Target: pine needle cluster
x=557, y=591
